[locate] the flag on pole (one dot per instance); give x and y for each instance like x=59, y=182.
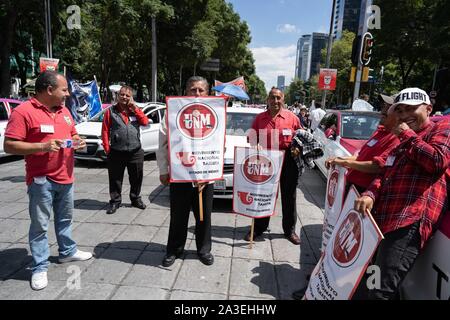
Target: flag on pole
x=84, y=101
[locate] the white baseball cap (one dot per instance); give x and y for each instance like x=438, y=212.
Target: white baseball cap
x=412, y=97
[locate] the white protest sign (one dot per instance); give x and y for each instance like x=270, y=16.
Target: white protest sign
x=196, y=135
x=255, y=181
x=350, y=249
x=334, y=200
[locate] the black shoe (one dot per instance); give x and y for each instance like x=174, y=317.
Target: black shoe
x=112, y=208
x=138, y=204
x=206, y=258
x=293, y=237
x=170, y=258
x=298, y=295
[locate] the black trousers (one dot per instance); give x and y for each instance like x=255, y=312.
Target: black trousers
x=117, y=162
x=183, y=197
x=395, y=257
x=288, y=188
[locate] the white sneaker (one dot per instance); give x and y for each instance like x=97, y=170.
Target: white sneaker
x=78, y=256
x=39, y=280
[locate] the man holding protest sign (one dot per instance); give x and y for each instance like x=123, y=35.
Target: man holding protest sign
x=410, y=194
x=274, y=129
x=184, y=196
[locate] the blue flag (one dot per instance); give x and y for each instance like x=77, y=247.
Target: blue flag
x=84, y=101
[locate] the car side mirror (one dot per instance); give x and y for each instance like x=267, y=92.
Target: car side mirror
x=150, y=121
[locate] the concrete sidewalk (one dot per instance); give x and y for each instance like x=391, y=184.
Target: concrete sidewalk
x=130, y=244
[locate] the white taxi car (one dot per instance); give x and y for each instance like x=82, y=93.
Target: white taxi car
x=239, y=121
x=6, y=106
x=92, y=132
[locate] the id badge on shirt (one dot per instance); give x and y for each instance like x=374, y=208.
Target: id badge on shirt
x=132, y=118
x=372, y=142
x=287, y=132
x=47, y=128
x=390, y=161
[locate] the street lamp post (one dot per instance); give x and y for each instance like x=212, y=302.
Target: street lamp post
x=48, y=28
x=154, y=62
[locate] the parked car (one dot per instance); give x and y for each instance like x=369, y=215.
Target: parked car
x=343, y=133
x=239, y=121
x=92, y=131
x=6, y=106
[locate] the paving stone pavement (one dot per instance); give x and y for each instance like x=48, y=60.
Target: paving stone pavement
x=129, y=245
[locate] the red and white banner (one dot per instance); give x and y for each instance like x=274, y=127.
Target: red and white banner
x=327, y=79
x=48, y=64
x=196, y=135
x=334, y=201
x=350, y=250
x=255, y=181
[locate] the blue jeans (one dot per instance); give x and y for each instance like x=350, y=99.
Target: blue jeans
x=43, y=198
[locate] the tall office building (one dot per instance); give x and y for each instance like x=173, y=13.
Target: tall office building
x=319, y=42
x=346, y=17
x=281, y=82
x=302, y=62
x=309, y=55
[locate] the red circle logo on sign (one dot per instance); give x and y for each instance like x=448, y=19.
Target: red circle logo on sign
x=197, y=121
x=257, y=169
x=332, y=187
x=348, y=242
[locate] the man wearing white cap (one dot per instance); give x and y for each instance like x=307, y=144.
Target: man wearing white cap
x=409, y=195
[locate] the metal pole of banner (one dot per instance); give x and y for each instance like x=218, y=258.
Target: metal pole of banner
x=154, y=62
x=330, y=44
x=98, y=90
x=252, y=231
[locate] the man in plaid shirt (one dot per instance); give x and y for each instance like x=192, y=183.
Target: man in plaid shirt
x=410, y=193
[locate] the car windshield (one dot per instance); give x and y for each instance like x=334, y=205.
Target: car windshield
x=239, y=123
x=359, y=126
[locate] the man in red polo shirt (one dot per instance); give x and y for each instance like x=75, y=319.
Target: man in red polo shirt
x=43, y=130
x=364, y=167
x=410, y=194
x=274, y=129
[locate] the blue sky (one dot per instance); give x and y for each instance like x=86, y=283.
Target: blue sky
x=275, y=27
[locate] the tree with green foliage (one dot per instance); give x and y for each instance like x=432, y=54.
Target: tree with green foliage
x=114, y=42
x=414, y=39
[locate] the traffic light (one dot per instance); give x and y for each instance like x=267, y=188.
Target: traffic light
x=366, y=50
x=355, y=50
